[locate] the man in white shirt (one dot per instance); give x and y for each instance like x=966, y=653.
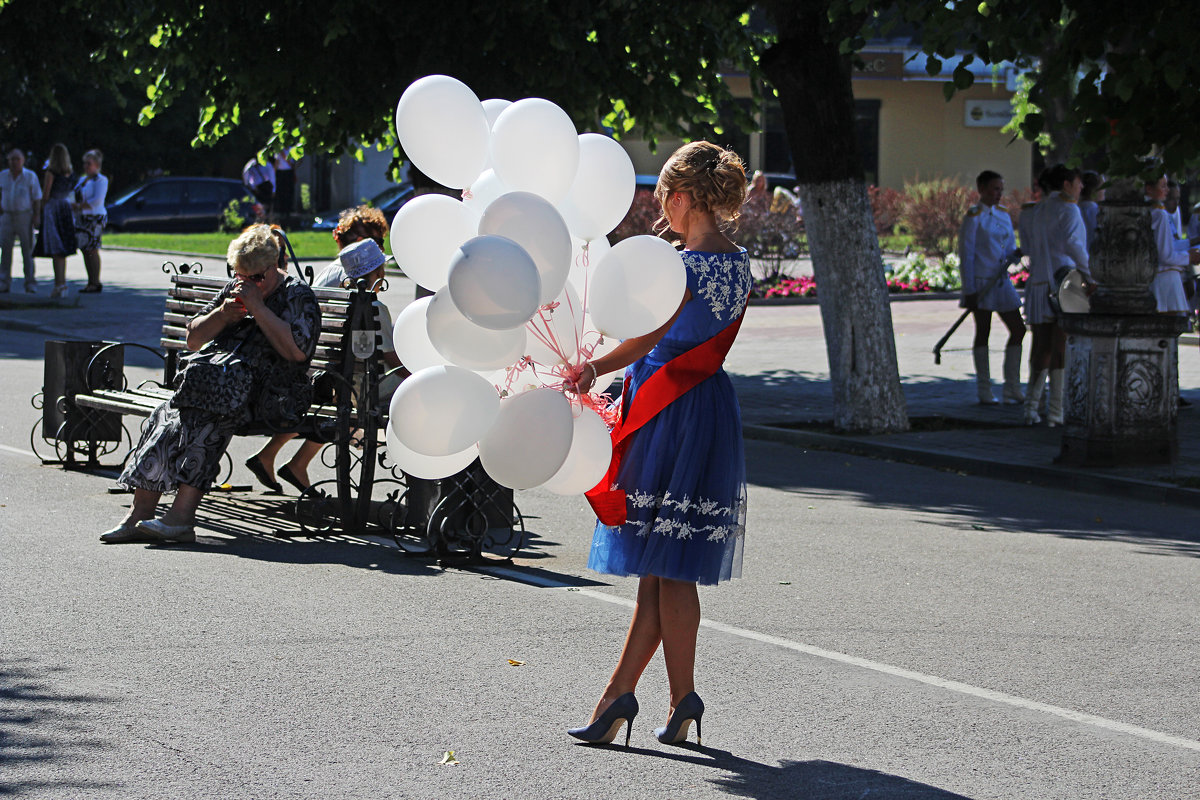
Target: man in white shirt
x=20, y=195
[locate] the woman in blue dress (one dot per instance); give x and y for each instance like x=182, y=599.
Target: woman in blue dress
x=683, y=472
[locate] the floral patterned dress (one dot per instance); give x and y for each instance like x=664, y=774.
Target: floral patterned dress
x=684, y=472
x=185, y=445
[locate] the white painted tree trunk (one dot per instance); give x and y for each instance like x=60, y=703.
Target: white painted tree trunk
x=855, y=311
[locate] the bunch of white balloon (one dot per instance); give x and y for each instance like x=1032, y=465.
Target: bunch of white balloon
x=516, y=303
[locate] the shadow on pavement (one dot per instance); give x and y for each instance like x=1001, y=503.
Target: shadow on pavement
x=810, y=780
x=42, y=727
x=986, y=506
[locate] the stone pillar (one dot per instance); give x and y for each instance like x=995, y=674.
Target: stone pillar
x=1122, y=378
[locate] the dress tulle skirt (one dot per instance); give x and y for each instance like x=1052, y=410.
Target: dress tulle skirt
x=684, y=475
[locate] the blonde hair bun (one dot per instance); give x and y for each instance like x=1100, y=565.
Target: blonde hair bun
x=714, y=176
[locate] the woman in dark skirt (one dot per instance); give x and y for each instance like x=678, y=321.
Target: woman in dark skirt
x=277, y=321
x=56, y=239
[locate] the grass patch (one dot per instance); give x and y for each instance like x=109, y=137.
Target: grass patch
x=309, y=245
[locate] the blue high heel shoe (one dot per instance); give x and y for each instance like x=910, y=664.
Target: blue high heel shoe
x=605, y=728
x=690, y=708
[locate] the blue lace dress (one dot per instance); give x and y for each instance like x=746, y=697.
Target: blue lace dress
x=684, y=472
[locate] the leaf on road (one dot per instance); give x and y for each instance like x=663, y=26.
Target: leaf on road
x=515, y=663
x=449, y=758
x=785, y=583
x=979, y=527
x=572, y=589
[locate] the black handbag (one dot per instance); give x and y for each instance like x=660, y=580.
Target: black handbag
x=284, y=400
x=216, y=380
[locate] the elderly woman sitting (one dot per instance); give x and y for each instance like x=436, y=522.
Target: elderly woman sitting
x=272, y=322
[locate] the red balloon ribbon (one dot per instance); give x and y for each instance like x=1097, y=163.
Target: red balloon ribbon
x=670, y=382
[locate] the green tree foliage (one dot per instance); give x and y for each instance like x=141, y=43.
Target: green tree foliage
x=1127, y=72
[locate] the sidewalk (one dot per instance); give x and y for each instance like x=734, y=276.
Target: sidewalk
x=779, y=366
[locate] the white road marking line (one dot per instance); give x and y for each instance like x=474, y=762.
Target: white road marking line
x=887, y=669
x=18, y=451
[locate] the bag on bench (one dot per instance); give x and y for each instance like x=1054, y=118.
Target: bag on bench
x=215, y=380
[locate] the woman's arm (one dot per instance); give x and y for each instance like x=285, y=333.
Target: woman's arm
x=203, y=328
x=47, y=180
x=625, y=353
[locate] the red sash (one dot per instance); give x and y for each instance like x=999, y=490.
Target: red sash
x=670, y=382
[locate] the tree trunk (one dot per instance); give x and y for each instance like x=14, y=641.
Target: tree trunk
x=812, y=79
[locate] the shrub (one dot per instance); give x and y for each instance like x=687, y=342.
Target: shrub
x=886, y=206
x=771, y=233
x=232, y=220
x=802, y=286
x=640, y=219
x=933, y=211
x=917, y=273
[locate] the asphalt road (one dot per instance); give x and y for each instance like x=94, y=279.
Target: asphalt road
x=900, y=632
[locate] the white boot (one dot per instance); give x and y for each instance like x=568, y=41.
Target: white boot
x=983, y=376
x=1054, y=403
x=1012, y=376
x=1033, y=396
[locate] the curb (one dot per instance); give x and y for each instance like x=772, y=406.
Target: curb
x=1058, y=477
x=893, y=297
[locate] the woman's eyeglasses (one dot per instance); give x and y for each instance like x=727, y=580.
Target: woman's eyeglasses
x=257, y=277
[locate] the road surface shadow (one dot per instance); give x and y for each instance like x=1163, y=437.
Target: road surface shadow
x=42, y=730
x=970, y=503
x=799, y=780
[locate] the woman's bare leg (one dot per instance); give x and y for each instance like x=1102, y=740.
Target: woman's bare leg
x=679, y=620
x=270, y=450
x=303, y=456
x=983, y=326
x=183, y=510
x=144, y=506
x=645, y=632
x=1016, y=327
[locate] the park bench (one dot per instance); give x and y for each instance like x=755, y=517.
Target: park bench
x=347, y=339
x=455, y=517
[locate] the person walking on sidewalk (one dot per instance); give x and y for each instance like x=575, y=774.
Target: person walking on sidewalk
x=1061, y=237
x=986, y=246
x=20, y=198
x=673, y=507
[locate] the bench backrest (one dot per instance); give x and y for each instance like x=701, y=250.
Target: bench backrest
x=189, y=294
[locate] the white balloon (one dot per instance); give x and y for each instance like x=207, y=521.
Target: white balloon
x=600, y=196
x=584, y=261
x=637, y=287
x=486, y=189
x=532, y=222
x=443, y=410
x=562, y=324
x=587, y=462
x=423, y=466
x=535, y=148
x=413, y=347
x=494, y=283
x=492, y=107
x=443, y=129
x=427, y=232
x=464, y=343
x=529, y=440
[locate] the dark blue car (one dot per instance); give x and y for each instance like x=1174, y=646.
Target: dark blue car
x=179, y=204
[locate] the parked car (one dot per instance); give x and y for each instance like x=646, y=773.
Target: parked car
x=179, y=204
x=388, y=201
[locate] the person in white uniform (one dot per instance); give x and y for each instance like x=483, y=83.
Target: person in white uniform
x=20, y=198
x=1061, y=237
x=986, y=246
x=1089, y=205
x=1173, y=263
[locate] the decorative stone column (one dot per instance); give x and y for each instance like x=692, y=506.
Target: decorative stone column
x=1122, y=378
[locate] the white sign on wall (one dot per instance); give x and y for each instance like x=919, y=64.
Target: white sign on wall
x=987, y=113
